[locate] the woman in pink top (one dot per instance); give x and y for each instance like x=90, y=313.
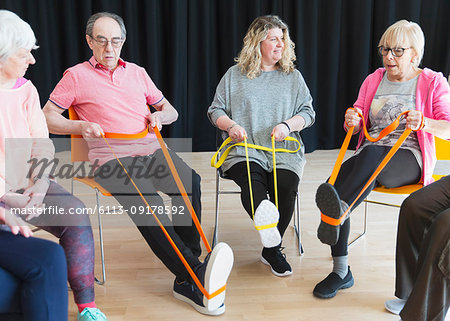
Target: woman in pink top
x=398, y=87
x=24, y=136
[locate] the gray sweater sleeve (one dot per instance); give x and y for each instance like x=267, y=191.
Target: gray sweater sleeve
x=304, y=103
x=218, y=106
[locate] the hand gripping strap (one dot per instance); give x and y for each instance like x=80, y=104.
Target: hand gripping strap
x=386, y=131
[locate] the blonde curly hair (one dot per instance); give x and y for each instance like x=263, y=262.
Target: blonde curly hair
x=249, y=59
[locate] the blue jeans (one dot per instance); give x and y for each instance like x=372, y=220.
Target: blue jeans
x=35, y=272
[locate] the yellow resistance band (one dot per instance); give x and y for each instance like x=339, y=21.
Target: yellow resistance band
x=273, y=150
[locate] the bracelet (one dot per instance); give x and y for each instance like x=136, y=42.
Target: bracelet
x=284, y=123
x=231, y=126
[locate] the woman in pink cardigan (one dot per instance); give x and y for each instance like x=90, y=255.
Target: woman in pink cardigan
x=398, y=87
x=28, y=191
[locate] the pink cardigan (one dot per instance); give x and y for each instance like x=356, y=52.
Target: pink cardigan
x=432, y=98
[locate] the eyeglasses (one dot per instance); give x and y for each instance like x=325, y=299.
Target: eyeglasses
x=396, y=52
x=103, y=42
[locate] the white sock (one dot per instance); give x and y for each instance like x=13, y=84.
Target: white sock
x=340, y=265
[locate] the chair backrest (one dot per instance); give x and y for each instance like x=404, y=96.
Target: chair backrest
x=442, y=148
x=79, y=147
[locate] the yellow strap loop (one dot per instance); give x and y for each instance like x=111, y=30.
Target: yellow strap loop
x=263, y=227
x=217, y=163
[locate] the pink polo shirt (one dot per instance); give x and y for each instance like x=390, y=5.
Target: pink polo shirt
x=116, y=100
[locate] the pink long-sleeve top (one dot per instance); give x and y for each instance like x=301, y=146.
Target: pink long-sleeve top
x=432, y=99
x=21, y=118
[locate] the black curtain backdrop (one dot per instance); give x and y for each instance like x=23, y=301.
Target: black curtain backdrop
x=187, y=45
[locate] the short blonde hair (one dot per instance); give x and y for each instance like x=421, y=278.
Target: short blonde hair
x=405, y=32
x=249, y=59
x=14, y=34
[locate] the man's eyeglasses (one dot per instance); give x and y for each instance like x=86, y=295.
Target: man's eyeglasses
x=396, y=52
x=103, y=42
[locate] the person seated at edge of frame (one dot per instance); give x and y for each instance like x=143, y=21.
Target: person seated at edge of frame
x=111, y=95
x=39, y=266
x=263, y=95
x=398, y=87
x=23, y=137
x=422, y=284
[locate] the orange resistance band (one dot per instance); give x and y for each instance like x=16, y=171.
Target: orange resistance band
x=392, y=151
x=185, y=197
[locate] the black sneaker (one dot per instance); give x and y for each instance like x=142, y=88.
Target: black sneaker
x=212, y=274
x=276, y=260
x=328, y=287
x=329, y=203
x=189, y=293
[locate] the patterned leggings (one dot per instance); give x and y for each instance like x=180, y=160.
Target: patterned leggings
x=75, y=236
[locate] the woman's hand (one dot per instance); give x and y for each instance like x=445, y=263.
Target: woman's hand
x=352, y=118
x=414, y=120
x=237, y=133
x=16, y=224
x=36, y=193
x=15, y=200
x=280, y=132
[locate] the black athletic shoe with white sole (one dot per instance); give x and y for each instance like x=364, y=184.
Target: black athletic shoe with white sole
x=276, y=260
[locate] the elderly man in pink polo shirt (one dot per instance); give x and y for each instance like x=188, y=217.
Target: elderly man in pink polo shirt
x=111, y=95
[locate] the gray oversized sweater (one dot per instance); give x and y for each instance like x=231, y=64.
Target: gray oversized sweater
x=258, y=105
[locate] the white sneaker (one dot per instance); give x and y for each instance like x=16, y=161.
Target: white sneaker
x=266, y=221
x=395, y=305
x=218, y=267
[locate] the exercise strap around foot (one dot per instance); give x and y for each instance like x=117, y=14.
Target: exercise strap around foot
x=337, y=166
x=216, y=163
x=185, y=198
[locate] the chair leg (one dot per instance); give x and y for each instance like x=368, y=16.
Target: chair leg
x=364, y=228
x=216, y=220
x=297, y=225
x=100, y=233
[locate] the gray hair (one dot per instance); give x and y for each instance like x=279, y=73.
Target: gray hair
x=14, y=34
x=405, y=32
x=91, y=21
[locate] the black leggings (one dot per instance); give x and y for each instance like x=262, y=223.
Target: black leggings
x=262, y=184
x=402, y=169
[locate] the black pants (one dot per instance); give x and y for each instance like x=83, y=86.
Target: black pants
x=152, y=174
x=402, y=169
x=262, y=184
x=423, y=253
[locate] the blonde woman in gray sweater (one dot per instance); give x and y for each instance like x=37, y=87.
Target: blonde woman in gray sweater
x=263, y=95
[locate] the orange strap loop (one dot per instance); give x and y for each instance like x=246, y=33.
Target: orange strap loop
x=185, y=197
x=139, y=135
x=337, y=166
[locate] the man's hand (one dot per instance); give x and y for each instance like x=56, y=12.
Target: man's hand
x=154, y=119
x=91, y=130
